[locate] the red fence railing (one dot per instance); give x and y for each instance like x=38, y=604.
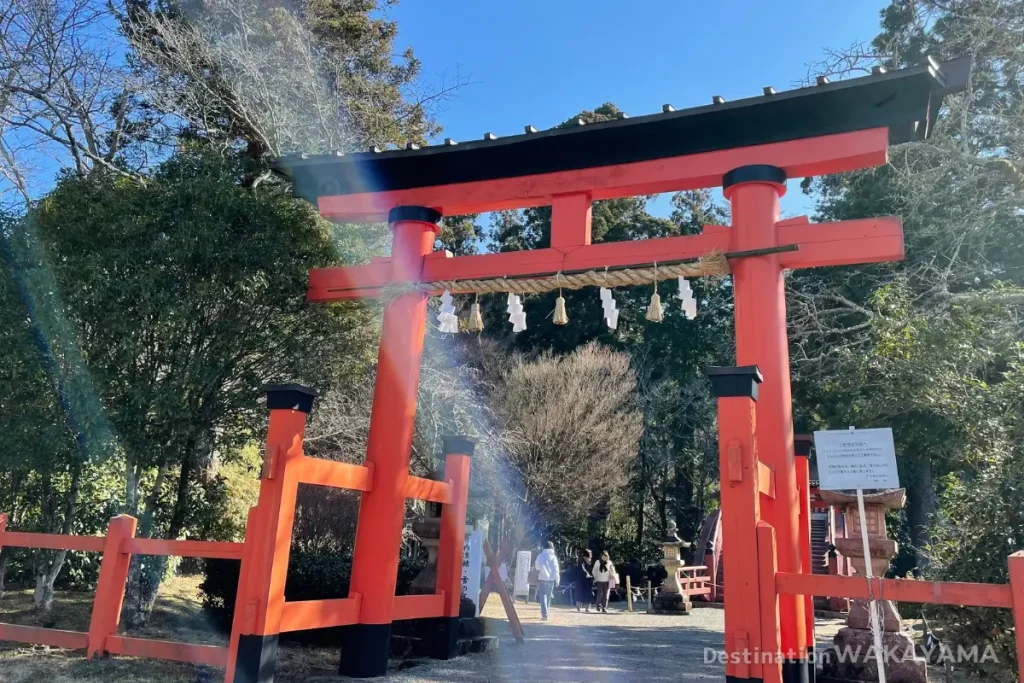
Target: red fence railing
x=117, y=548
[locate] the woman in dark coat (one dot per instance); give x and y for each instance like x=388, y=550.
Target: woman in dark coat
x=583, y=581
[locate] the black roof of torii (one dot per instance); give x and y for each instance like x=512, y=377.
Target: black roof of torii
x=906, y=101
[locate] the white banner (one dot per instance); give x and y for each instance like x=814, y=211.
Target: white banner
x=856, y=459
x=472, y=559
x=524, y=563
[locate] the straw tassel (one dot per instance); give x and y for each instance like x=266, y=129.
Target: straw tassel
x=476, y=321
x=561, y=317
x=654, y=313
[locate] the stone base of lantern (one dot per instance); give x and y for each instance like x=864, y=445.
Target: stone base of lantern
x=860, y=616
x=853, y=658
x=426, y=581
x=671, y=603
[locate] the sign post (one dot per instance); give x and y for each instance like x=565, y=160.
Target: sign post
x=472, y=560
x=859, y=459
x=524, y=563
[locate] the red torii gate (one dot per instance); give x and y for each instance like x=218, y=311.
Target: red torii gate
x=749, y=147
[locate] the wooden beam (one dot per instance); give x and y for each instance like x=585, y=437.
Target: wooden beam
x=771, y=636
x=419, y=488
x=21, y=539
x=765, y=480
x=900, y=590
x=799, y=158
x=339, y=475
x=159, y=546
x=323, y=281
x=508, y=546
x=871, y=240
x=68, y=640
x=210, y=655
x=1016, y=567
x=506, y=600
x=418, y=606
x=327, y=284
x=502, y=264
x=570, y=220
x=643, y=252
x=309, y=614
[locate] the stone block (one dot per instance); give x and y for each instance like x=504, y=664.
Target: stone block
x=853, y=658
x=860, y=617
x=671, y=603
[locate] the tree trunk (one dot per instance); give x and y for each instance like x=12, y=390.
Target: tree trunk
x=49, y=564
x=5, y=558
x=663, y=510
x=5, y=553
x=640, y=520
x=923, y=504
x=143, y=569
x=146, y=573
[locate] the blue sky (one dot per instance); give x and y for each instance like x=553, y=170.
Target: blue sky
x=539, y=63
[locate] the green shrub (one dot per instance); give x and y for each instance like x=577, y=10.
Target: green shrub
x=312, y=575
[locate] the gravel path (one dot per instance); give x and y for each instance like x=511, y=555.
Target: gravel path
x=571, y=646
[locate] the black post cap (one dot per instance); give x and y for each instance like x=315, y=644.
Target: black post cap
x=729, y=382
x=802, y=444
x=754, y=173
x=459, y=445
x=290, y=397
x=413, y=213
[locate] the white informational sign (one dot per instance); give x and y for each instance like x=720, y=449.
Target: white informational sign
x=472, y=559
x=851, y=459
x=859, y=459
x=524, y=563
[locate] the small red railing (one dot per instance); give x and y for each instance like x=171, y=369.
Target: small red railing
x=993, y=595
x=117, y=548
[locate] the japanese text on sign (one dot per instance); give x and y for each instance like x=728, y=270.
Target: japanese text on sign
x=856, y=459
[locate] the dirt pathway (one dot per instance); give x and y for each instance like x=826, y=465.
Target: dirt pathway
x=617, y=646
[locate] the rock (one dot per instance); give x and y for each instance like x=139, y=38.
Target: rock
x=853, y=658
x=671, y=603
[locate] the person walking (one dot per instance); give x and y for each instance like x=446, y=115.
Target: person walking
x=603, y=572
x=548, y=576
x=583, y=581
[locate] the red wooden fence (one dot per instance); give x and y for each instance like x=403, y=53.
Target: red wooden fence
x=117, y=547
x=120, y=544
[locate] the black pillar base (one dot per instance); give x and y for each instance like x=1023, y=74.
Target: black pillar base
x=794, y=671
x=445, y=638
x=812, y=664
x=364, y=650
x=257, y=658
x=737, y=679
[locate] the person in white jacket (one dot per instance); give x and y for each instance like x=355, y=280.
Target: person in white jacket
x=548, y=576
x=604, y=575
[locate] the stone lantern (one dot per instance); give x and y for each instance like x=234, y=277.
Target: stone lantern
x=905, y=667
x=428, y=529
x=671, y=599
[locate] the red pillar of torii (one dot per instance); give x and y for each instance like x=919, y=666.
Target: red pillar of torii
x=749, y=148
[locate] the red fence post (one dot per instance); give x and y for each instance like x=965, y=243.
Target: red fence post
x=244, y=618
x=771, y=636
x=1016, y=563
x=458, y=450
x=252, y=653
x=803, y=484
x=737, y=390
x=106, y=607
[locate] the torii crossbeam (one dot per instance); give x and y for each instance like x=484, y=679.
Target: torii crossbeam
x=749, y=147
